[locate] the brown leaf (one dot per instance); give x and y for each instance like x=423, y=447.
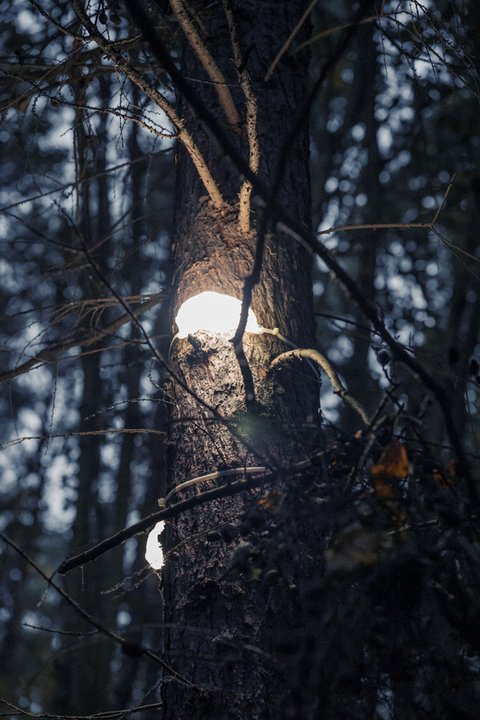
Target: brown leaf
x=392, y=464
x=272, y=500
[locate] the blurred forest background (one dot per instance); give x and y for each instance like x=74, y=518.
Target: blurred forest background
x=86, y=194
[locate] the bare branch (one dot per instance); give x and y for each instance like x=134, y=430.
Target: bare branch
x=157, y=97
x=173, y=510
x=212, y=476
x=209, y=64
x=134, y=647
x=52, y=353
x=106, y=715
x=322, y=361
x=83, y=433
x=336, y=29
x=251, y=121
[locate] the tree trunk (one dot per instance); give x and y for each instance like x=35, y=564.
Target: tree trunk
x=219, y=623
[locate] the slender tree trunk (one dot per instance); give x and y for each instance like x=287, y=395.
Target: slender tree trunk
x=219, y=623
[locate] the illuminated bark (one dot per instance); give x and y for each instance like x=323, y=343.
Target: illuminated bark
x=214, y=617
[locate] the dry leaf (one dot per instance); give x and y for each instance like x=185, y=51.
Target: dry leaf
x=393, y=463
x=272, y=500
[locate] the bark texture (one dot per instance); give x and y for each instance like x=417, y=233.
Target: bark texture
x=219, y=623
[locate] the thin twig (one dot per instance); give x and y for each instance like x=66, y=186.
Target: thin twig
x=338, y=28
x=376, y=226
x=124, y=642
x=106, y=715
x=51, y=354
x=82, y=433
x=288, y=41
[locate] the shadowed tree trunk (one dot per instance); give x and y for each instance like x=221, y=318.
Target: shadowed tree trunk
x=220, y=632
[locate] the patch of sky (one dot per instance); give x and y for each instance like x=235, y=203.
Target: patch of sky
x=429, y=202
x=358, y=132
x=331, y=216
x=130, y=550
x=331, y=185
x=26, y=518
x=329, y=403
x=59, y=510
x=26, y=20
x=133, y=516
x=123, y=618
x=318, y=288
x=355, y=159
x=384, y=140
x=106, y=486
x=341, y=351
x=418, y=298
x=471, y=395
x=417, y=183
x=405, y=264
x=347, y=75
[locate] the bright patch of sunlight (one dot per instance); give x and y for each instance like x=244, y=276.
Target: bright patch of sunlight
x=214, y=313
x=153, y=551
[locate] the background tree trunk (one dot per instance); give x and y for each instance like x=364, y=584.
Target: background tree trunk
x=216, y=627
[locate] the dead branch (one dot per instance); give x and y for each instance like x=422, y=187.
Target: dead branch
x=174, y=510
x=208, y=63
x=52, y=353
x=335, y=381
x=251, y=120
x=106, y=715
x=83, y=433
x=157, y=97
x=128, y=644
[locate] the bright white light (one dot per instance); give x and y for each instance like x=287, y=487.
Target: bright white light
x=153, y=551
x=214, y=313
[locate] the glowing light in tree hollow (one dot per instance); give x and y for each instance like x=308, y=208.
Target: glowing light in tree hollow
x=214, y=313
x=153, y=551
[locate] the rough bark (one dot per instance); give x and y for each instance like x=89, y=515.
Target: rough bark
x=219, y=624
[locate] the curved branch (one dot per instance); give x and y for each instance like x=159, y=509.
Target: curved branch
x=321, y=360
